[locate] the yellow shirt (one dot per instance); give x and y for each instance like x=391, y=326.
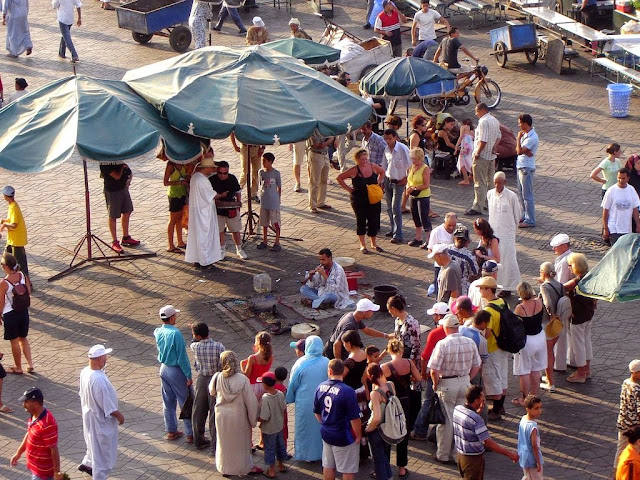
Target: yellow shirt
x=18, y=236
x=494, y=324
x=415, y=180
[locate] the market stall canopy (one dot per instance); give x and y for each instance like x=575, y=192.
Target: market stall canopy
x=407, y=76
x=617, y=275
x=104, y=119
x=263, y=96
x=310, y=52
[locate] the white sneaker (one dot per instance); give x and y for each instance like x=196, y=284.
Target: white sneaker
x=543, y=379
x=547, y=387
x=241, y=253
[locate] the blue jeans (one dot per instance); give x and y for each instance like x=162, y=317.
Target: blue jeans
x=380, y=452
x=174, y=393
x=525, y=194
x=66, y=41
x=235, y=16
x=274, y=447
x=393, y=193
x=316, y=301
x=421, y=427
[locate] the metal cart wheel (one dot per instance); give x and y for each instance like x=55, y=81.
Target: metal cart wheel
x=142, y=38
x=180, y=38
x=532, y=56
x=500, y=52
x=366, y=70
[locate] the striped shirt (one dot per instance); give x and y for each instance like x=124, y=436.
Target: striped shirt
x=488, y=131
x=42, y=436
x=376, y=147
x=455, y=356
x=207, y=353
x=469, y=431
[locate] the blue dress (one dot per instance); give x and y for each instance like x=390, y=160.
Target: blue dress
x=18, y=36
x=307, y=373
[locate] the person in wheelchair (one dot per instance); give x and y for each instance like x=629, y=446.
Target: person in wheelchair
x=449, y=48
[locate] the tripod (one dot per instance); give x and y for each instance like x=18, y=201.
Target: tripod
x=90, y=239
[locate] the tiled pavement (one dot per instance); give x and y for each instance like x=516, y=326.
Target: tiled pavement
x=96, y=305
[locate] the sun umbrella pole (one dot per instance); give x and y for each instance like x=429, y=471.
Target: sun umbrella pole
x=87, y=206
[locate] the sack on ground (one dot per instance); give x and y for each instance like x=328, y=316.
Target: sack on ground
x=512, y=337
x=394, y=428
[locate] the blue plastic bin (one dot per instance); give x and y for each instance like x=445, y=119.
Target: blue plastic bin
x=619, y=99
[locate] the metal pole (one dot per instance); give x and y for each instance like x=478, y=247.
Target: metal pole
x=87, y=206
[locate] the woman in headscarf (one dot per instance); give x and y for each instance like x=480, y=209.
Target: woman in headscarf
x=236, y=414
x=307, y=373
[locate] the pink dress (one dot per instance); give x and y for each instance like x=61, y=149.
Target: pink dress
x=466, y=153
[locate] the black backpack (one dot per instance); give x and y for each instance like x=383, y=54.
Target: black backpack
x=512, y=336
x=21, y=299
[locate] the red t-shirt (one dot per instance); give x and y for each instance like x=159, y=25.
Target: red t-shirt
x=434, y=337
x=42, y=436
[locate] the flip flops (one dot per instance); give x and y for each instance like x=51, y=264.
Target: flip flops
x=175, y=250
x=13, y=371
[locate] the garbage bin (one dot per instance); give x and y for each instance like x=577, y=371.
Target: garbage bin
x=619, y=98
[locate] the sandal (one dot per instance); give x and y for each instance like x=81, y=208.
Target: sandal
x=174, y=436
x=13, y=371
x=31, y=370
x=433, y=215
x=255, y=471
x=378, y=249
x=183, y=245
x=364, y=250
x=517, y=401
x=174, y=250
x=6, y=409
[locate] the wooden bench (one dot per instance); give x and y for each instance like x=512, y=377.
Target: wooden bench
x=608, y=65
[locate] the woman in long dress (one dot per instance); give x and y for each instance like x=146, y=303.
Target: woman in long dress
x=307, y=373
x=464, y=149
x=236, y=414
x=15, y=17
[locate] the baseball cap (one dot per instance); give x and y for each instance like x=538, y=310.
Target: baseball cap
x=439, y=308
x=461, y=231
x=9, y=191
x=559, y=239
x=299, y=344
x=490, y=266
x=634, y=366
x=168, y=311
x=33, y=393
x=438, y=248
x=98, y=350
x=449, y=320
x=269, y=379
x=454, y=305
x=366, y=305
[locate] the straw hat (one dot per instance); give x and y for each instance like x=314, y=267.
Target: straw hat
x=206, y=163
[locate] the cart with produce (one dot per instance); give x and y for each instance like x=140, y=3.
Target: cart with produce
x=358, y=56
x=166, y=18
x=513, y=39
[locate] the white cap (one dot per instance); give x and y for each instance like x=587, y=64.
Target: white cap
x=168, y=311
x=257, y=22
x=438, y=248
x=449, y=321
x=439, y=308
x=559, y=239
x=366, y=305
x=634, y=366
x=294, y=21
x=98, y=350
x=9, y=191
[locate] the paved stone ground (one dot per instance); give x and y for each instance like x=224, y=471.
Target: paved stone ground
x=96, y=305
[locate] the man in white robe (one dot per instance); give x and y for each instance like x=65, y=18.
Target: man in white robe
x=203, y=247
x=100, y=416
x=504, y=216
